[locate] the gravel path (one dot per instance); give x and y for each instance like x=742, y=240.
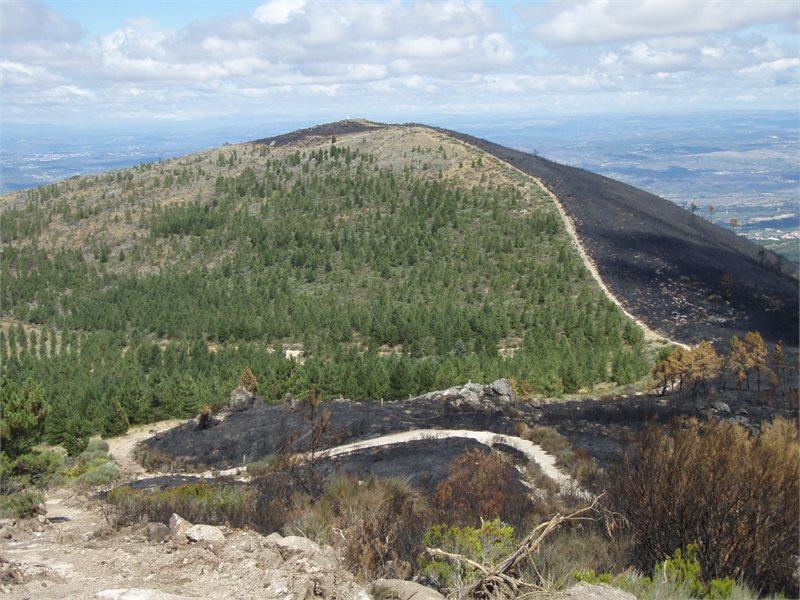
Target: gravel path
x=534, y=452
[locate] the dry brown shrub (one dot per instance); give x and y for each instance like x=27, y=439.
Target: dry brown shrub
x=481, y=485
x=377, y=524
x=205, y=418
x=735, y=495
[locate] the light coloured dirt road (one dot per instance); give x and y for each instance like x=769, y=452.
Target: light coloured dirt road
x=122, y=447
x=534, y=452
x=649, y=333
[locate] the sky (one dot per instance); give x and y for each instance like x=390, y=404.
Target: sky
x=102, y=64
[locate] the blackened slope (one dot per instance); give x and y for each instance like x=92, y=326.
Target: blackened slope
x=677, y=272
x=325, y=130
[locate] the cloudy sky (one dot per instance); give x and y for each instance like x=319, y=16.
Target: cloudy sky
x=77, y=62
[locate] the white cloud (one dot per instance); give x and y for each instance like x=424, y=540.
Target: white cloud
x=397, y=54
x=600, y=21
x=22, y=20
x=279, y=12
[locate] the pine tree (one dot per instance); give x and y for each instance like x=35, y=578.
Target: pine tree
x=248, y=381
x=116, y=421
x=22, y=413
x=756, y=354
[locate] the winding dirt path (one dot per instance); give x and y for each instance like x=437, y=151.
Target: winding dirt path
x=534, y=452
x=649, y=334
x=121, y=448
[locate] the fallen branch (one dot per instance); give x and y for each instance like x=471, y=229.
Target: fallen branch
x=503, y=581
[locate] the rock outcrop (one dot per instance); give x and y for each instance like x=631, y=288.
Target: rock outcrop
x=399, y=589
x=587, y=591
x=241, y=399
x=497, y=397
x=205, y=533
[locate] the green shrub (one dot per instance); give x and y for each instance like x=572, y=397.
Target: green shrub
x=21, y=505
x=487, y=545
x=197, y=502
x=38, y=467
x=677, y=577
x=102, y=474
x=97, y=445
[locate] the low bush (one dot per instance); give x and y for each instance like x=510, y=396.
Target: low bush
x=487, y=545
x=259, y=468
x=196, y=502
x=96, y=445
x=482, y=485
x=736, y=496
x=577, y=547
x=34, y=469
x=678, y=577
x=549, y=439
x=102, y=474
x=205, y=418
x=154, y=459
x=377, y=524
x=21, y=505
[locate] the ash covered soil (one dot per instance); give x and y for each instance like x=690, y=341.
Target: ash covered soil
x=681, y=274
x=260, y=431
x=604, y=428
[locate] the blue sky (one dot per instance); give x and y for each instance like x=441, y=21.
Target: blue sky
x=98, y=64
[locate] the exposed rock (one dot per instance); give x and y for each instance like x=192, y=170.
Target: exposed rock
x=178, y=525
x=157, y=532
x=241, y=399
x=503, y=388
x=722, y=407
x=496, y=397
x=291, y=545
x=205, y=533
x=308, y=572
x=587, y=591
x=398, y=589
x=137, y=594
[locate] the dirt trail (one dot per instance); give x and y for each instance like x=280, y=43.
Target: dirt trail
x=121, y=448
x=649, y=333
x=534, y=452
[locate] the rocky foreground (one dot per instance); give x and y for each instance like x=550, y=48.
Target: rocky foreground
x=73, y=552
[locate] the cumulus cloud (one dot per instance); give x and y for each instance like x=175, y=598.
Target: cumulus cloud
x=600, y=21
x=445, y=55
x=279, y=12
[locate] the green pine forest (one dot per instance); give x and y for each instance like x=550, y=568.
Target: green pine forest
x=393, y=276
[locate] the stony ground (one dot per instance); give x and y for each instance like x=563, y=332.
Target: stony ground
x=76, y=554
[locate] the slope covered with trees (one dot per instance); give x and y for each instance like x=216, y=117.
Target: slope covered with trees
x=397, y=260
x=679, y=273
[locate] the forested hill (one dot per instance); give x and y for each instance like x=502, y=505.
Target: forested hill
x=394, y=260
x=677, y=272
